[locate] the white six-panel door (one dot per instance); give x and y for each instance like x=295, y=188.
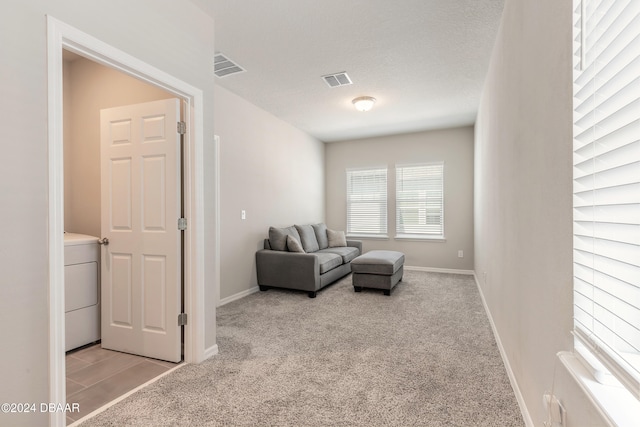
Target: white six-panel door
x=140, y=179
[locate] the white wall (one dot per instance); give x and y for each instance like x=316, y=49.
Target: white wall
x=175, y=37
x=454, y=147
x=523, y=201
x=271, y=170
x=91, y=87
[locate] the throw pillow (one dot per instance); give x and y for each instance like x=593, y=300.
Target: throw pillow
x=278, y=237
x=336, y=238
x=293, y=245
x=307, y=238
x=321, y=235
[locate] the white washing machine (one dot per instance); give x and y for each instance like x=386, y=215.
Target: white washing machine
x=81, y=290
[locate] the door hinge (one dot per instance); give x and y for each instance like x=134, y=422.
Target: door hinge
x=182, y=128
x=182, y=224
x=182, y=319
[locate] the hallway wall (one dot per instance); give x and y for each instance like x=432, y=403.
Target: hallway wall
x=271, y=170
x=523, y=203
x=145, y=29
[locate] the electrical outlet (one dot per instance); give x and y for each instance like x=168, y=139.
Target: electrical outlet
x=556, y=414
x=460, y=254
x=243, y=214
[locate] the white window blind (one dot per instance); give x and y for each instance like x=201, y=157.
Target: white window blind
x=367, y=202
x=607, y=185
x=420, y=200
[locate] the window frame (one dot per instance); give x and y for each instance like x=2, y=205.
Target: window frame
x=421, y=203
x=593, y=345
x=382, y=201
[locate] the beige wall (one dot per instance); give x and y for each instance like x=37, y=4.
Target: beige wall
x=91, y=87
x=454, y=147
x=523, y=201
x=271, y=170
x=146, y=29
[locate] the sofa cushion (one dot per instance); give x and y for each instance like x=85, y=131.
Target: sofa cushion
x=293, y=245
x=336, y=238
x=347, y=253
x=278, y=237
x=307, y=238
x=321, y=235
x=328, y=261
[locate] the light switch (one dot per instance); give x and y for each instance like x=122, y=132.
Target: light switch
x=243, y=214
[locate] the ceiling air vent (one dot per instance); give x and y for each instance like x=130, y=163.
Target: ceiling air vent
x=337, y=79
x=225, y=67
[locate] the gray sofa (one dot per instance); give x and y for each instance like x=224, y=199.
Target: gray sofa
x=304, y=257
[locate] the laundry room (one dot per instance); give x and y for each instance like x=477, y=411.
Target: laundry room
x=88, y=87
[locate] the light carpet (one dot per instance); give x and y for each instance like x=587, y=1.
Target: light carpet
x=424, y=356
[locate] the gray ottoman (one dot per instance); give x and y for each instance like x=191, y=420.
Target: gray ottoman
x=378, y=270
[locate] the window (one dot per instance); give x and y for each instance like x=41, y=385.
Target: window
x=367, y=202
x=420, y=200
x=606, y=201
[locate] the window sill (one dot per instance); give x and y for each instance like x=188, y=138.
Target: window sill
x=420, y=237
x=368, y=236
x=615, y=403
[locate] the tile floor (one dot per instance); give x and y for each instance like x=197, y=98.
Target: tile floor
x=96, y=376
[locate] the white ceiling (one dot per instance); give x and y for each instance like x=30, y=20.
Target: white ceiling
x=423, y=60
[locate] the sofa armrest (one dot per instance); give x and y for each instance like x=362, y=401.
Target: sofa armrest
x=291, y=270
x=355, y=244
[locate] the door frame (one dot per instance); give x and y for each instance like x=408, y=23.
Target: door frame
x=63, y=36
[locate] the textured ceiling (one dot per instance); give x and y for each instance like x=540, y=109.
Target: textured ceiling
x=423, y=60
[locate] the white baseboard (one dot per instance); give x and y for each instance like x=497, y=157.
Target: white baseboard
x=211, y=351
x=237, y=296
x=439, y=270
x=512, y=379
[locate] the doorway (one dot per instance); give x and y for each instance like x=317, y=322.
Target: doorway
x=61, y=36
x=122, y=167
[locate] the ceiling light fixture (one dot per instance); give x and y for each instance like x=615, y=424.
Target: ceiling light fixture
x=363, y=103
